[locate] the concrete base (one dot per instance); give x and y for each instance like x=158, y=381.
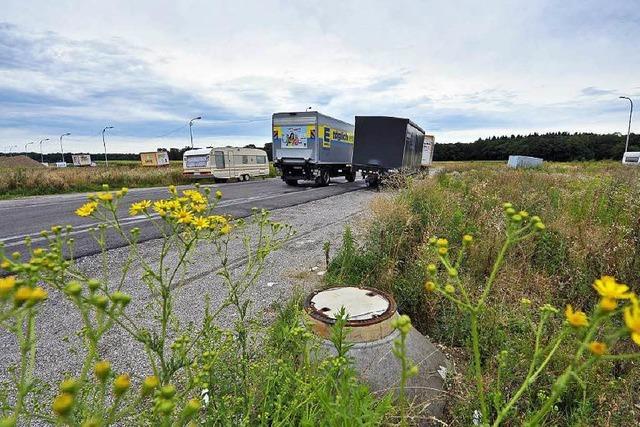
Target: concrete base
x=380, y=369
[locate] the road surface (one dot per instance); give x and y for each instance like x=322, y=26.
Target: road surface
x=26, y=217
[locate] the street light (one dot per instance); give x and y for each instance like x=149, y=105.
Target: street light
x=61, y=150
x=42, y=155
x=104, y=144
x=25, y=147
x=626, y=147
x=190, y=132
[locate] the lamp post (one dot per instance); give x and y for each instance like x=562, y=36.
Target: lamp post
x=190, y=125
x=41, y=154
x=626, y=147
x=61, y=150
x=104, y=144
x=25, y=147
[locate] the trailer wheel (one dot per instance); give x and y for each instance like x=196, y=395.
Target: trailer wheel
x=351, y=176
x=291, y=182
x=324, y=178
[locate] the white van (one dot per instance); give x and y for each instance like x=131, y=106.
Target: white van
x=631, y=158
x=224, y=163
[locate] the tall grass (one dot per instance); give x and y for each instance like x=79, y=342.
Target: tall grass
x=592, y=216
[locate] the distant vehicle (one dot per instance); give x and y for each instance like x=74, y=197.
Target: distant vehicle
x=386, y=145
x=311, y=146
x=427, y=151
x=81, y=159
x=224, y=163
x=155, y=158
x=518, y=162
x=61, y=164
x=631, y=158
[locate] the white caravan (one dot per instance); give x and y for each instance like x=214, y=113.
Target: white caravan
x=631, y=158
x=224, y=163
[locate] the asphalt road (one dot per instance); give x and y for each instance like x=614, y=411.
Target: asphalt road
x=26, y=217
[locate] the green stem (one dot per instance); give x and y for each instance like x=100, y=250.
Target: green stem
x=478, y=366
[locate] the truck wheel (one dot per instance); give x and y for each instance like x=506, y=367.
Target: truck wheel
x=291, y=182
x=324, y=178
x=351, y=176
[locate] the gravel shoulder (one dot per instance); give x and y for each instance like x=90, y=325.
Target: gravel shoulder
x=289, y=271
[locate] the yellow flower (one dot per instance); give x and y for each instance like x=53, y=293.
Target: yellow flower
x=183, y=216
x=607, y=287
x=195, y=196
x=429, y=286
x=632, y=320
x=576, y=318
x=608, y=304
x=5, y=264
x=62, y=404
x=6, y=285
x=38, y=294
x=449, y=288
x=22, y=295
x=172, y=189
x=218, y=194
x=442, y=250
x=467, y=239
x=442, y=243
x=200, y=223
x=105, y=197
x=198, y=207
x=226, y=229
x=87, y=209
x=598, y=348
x=139, y=207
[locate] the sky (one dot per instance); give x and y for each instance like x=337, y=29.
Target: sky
x=460, y=69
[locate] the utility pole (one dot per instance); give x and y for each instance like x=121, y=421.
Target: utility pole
x=104, y=144
x=41, y=154
x=190, y=132
x=61, y=150
x=25, y=147
x=626, y=147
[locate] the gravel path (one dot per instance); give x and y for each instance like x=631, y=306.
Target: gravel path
x=292, y=269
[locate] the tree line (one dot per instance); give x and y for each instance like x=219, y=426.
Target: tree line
x=553, y=146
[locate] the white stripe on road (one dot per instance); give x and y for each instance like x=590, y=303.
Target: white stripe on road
x=36, y=237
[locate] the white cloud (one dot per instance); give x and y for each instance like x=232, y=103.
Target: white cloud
x=461, y=69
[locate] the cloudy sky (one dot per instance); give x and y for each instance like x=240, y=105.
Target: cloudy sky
x=461, y=69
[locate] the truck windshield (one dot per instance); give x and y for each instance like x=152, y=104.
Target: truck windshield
x=219, y=157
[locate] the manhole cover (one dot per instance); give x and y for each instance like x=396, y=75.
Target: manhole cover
x=370, y=311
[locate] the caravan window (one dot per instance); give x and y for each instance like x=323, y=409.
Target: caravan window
x=219, y=156
x=261, y=160
x=245, y=160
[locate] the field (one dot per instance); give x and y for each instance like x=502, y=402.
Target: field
x=592, y=219
x=20, y=181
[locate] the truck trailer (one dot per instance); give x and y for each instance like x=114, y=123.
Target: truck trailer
x=311, y=146
x=386, y=145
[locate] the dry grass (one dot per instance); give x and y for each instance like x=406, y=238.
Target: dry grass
x=15, y=182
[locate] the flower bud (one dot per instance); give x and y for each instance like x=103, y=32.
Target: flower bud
x=62, y=404
x=507, y=205
x=535, y=219
x=467, y=239
x=429, y=286
x=433, y=241
x=7, y=285
x=192, y=406
x=102, y=370
x=93, y=284
x=165, y=407
x=70, y=385
x=413, y=371
x=452, y=272
x=100, y=301
x=510, y=211
x=449, y=288
x=149, y=384
x=516, y=218
x=168, y=391
x=218, y=194
x=121, y=384
x=432, y=269
x=443, y=251
x=539, y=226
x=121, y=298
x=73, y=288
x=442, y=243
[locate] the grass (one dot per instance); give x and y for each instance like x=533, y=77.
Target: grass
x=593, y=228
x=21, y=182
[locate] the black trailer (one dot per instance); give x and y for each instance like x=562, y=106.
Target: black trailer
x=385, y=146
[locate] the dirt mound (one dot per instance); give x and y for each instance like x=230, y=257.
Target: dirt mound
x=18, y=162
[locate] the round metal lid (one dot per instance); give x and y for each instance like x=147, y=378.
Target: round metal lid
x=364, y=306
